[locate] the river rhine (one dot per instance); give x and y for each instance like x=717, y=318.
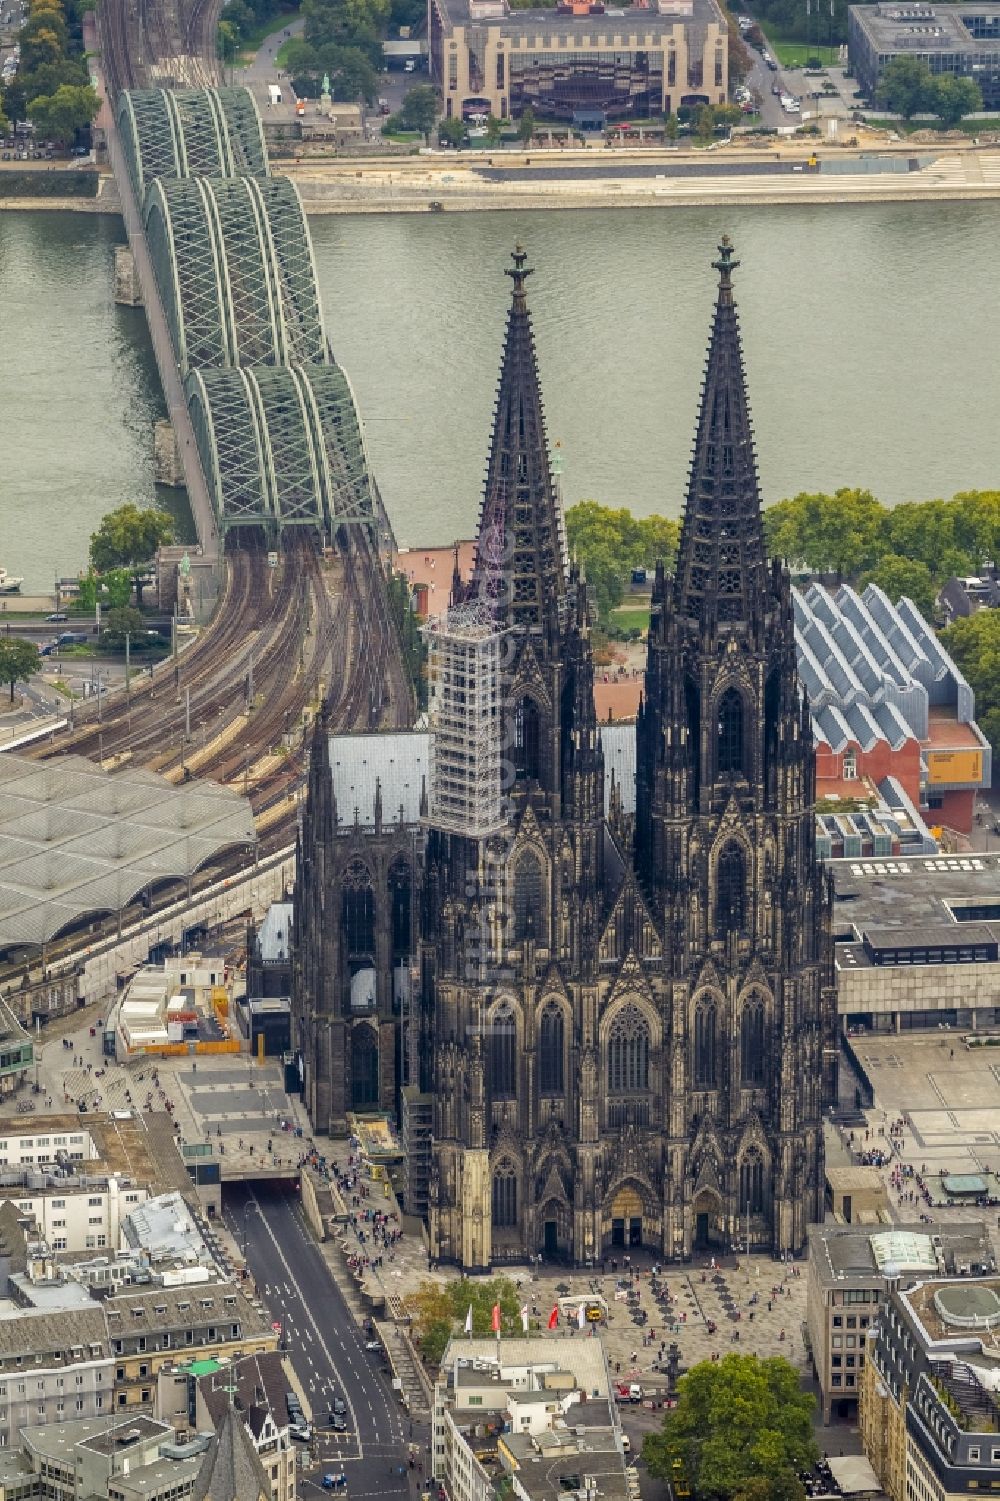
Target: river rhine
x=871, y=335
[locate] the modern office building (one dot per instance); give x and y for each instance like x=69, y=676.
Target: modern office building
x=929, y=1409
x=577, y=60
x=959, y=39
x=917, y=941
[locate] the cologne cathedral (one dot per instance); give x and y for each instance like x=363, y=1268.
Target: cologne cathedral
x=590, y=966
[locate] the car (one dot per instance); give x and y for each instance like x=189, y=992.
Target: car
x=409, y=65
x=338, y=1423
x=301, y=1432
x=293, y=1404
x=373, y=1344
x=771, y=64
x=338, y=1408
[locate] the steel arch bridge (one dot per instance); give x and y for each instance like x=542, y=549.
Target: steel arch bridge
x=190, y=133
x=274, y=417
x=233, y=262
x=287, y=441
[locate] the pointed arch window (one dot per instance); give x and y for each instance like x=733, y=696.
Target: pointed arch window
x=752, y=1043
x=364, y=1067
x=730, y=733
x=358, y=911
x=705, y=1024
x=752, y=1183
x=505, y=1197
x=731, y=888
x=529, y=909
x=628, y=1052
x=551, y=1042
x=527, y=739
x=400, y=897
x=503, y=1054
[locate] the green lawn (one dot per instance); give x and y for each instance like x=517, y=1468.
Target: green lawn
x=626, y=619
x=792, y=54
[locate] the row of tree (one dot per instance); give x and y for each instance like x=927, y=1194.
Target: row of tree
x=52, y=85
x=906, y=549
x=437, y=1312
x=908, y=87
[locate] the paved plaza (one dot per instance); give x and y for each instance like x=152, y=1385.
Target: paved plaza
x=949, y=1095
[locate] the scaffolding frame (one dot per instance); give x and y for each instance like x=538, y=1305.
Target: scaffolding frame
x=464, y=657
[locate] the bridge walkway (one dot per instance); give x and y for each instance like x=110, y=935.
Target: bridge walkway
x=170, y=377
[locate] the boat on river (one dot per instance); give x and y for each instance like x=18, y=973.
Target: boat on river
x=8, y=583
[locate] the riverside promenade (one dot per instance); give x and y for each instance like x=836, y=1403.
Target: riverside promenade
x=610, y=178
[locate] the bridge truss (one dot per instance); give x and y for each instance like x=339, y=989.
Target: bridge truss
x=233, y=261
x=283, y=438
x=274, y=417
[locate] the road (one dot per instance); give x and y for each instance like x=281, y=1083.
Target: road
x=325, y=1345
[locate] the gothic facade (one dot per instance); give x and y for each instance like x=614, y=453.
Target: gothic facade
x=618, y=1004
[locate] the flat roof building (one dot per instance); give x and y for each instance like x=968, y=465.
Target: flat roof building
x=963, y=40
x=917, y=941
x=628, y=62
x=530, y=1421
x=849, y=1271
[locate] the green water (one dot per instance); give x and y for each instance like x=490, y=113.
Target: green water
x=871, y=334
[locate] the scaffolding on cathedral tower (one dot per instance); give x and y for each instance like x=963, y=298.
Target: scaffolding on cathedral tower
x=464, y=662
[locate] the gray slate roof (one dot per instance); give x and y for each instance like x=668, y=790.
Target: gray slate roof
x=231, y=1469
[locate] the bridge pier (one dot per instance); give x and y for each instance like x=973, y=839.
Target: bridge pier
x=168, y=465
x=128, y=289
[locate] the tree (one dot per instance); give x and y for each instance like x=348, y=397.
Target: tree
x=610, y=543
x=347, y=23
x=437, y=1313
x=128, y=538
x=740, y=61
x=839, y=533
x=526, y=126
x=953, y=98
x=120, y=622
x=704, y=122
x=60, y=115
x=738, y=1422
x=906, y=87
x=494, y=131
x=974, y=643
x=19, y=661
x=897, y=576
x=671, y=126
x=420, y=108
x=452, y=133
x=4, y=122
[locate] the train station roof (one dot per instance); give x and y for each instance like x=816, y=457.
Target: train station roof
x=76, y=841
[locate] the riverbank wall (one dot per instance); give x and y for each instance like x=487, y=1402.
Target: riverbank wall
x=72, y=190
x=421, y=184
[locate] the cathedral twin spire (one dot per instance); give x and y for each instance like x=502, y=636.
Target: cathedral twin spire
x=722, y=573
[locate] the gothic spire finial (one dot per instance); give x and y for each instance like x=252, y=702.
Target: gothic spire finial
x=520, y=519
x=520, y=273
x=725, y=265
x=722, y=575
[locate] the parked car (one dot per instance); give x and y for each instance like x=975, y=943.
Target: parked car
x=57, y=615
x=301, y=1432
